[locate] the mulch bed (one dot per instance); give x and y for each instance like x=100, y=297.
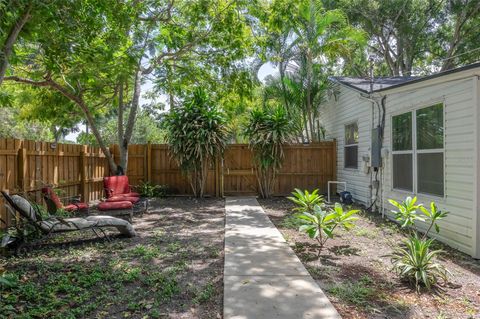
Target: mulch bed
x=173, y=269
x=355, y=271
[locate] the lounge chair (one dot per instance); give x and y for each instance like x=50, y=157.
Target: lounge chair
x=54, y=225
x=54, y=203
x=118, y=208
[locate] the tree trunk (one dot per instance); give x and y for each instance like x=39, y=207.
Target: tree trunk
x=124, y=141
x=10, y=41
x=96, y=133
x=120, y=130
x=78, y=100
x=460, y=21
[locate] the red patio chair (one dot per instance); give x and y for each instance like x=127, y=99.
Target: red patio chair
x=54, y=203
x=117, y=188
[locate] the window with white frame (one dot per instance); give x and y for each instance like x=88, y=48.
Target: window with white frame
x=351, y=146
x=418, y=151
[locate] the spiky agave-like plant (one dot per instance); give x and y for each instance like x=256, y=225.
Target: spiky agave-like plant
x=416, y=262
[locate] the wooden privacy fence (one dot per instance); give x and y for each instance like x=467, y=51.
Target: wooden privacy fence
x=25, y=166
x=305, y=166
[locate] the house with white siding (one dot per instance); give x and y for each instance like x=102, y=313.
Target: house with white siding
x=407, y=136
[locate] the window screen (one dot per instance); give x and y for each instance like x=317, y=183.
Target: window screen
x=403, y=172
x=351, y=156
x=430, y=127
x=351, y=146
x=402, y=132
x=430, y=173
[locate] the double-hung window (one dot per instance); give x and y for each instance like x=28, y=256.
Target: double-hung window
x=418, y=151
x=351, y=146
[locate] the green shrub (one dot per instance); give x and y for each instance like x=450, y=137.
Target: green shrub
x=267, y=130
x=414, y=260
x=321, y=224
x=147, y=189
x=196, y=134
x=305, y=201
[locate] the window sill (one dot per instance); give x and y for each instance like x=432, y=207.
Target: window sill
x=426, y=196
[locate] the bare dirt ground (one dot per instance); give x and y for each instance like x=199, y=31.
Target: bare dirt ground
x=355, y=271
x=173, y=269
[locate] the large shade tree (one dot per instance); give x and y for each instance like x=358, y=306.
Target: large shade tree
x=411, y=36
x=97, y=53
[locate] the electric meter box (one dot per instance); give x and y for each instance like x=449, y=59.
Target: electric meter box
x=376, y=158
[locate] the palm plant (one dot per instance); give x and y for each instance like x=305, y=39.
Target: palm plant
x=320, y=37
x=267, y=130
x=196, y=135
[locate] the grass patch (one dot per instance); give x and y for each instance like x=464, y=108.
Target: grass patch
x=359, y=293
x=75, y=276
x=365, y=232
x=204, y=294
x=291, y=222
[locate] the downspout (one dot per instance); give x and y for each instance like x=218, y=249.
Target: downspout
x=476, y=187
x=381, y=123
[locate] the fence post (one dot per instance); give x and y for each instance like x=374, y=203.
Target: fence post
x=83, y=176
x=22, y=168
x=111, y=149
x=217, y=177
x=149, y=162
x=334, y=163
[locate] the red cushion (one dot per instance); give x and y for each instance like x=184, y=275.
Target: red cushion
x=75, y=207
x=52, y=196
x=114, y=205
x=120, y=198
x=115, y=185
x=131, y=194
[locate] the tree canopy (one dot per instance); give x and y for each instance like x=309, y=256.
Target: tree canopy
x=63, y=63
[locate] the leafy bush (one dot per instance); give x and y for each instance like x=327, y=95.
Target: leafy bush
x=414, y=260
x=407, y=211
x=196, y=135
x=267, y=130
x=147, y=189
x=320, y=224
x=305, y=201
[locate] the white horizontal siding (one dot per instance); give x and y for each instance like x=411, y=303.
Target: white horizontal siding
x=457, y=96
x=334, y=115
x=460, y=127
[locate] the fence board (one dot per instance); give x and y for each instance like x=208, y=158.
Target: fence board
x=25, y=166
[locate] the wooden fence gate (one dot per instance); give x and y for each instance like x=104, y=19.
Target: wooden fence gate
x=308, y=166
x=237, y=172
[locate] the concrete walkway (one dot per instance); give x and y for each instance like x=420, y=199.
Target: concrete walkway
x=263, y=278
